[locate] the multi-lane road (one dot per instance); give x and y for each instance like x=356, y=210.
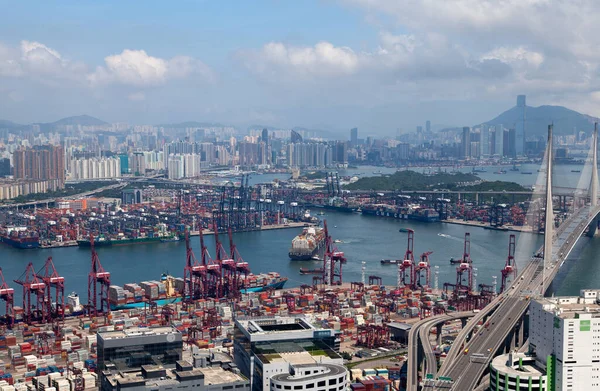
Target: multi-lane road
x=463, y=369
x=501, y=317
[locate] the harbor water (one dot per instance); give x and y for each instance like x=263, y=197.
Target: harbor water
x=364, y=238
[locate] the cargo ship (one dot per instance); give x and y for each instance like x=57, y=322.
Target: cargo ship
x=262, y=282
x=20, y=237
x=304, y=270
x=389, y=261
x=168, y=290
x=308, y=244
x=410, y=212
x=121, y=240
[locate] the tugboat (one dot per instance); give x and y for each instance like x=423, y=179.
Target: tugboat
x=310, y=271
x=455, y=261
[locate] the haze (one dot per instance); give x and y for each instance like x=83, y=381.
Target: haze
x=380, y=65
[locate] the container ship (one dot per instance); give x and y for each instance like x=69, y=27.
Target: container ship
x=20, y=237
x=410, y=212
x=168, y=290
x=121, y=240
x=308, y=244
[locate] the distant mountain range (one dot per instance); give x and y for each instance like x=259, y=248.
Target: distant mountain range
x=191, y=124
x=537, y=119
x=84, y=120
x=565, y=121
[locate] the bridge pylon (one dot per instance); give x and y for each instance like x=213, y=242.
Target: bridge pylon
x=594, y=182
x=549, y=221
x=593, y=190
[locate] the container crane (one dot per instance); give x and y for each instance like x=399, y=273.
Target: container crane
x=214, y=280
x=97, y=278
x=332, y=260
x=228, y=269
x=509, y=273
x=464, y=271
x=31, y=284
x=192, y=273
x=407, y=266
x=52, y=279
x=423, y=270
x=242, y=267
x=7, y=294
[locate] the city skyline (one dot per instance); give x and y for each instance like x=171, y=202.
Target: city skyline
x=321, y=65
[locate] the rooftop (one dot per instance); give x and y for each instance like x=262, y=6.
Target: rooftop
x=509, y=363
x=571, y=307
x=137, y=332
x=294, y=352
x=170, y=376
x=329, y=370
x=216, y=375
x=276, y=324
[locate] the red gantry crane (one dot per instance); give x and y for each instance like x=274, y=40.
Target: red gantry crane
x=509, y=273
x=52, y=279
x=423, y=270
x=464, y=271
x=97, y=298
x=242, y=267
x=194, y=274
x=33, y=310
x=406, y=267
x=332, y=261
x=228, y=269
x=8, y=295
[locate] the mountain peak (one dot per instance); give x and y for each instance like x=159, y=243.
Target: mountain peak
x=84, y=120
x=537, y=119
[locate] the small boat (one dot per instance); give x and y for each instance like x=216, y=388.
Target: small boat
x=514, y=168
x=575, y=170
x=321, y=213
x=526, y=173
x=310, y=271
x=389, y=261
x=500, y=172
x=455, y=261
x=170, y=239
x=403, y=230
x=337, y=241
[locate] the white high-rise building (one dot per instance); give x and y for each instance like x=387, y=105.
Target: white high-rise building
x=175, y=167
x=499, y=147
x=95, y=168
x=484, y=142
x=564, y=335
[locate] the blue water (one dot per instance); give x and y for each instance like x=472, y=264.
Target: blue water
x=365, y=238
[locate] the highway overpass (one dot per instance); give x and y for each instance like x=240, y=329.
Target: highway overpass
x=503, y=316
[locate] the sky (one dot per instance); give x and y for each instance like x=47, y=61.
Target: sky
x=380, y=65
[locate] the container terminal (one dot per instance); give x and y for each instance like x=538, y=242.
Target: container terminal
x=55, y=334
x=157, y=214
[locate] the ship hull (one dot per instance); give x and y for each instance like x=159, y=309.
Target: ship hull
x=160, y=302
x=22, y=245
x=303, y=257
x=124, y=242
x=400, y=216
x=273, y=285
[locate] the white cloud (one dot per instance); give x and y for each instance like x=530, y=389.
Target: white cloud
x=518, y=55
x=41, y=63
x=137, y=68
x=322, y=59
